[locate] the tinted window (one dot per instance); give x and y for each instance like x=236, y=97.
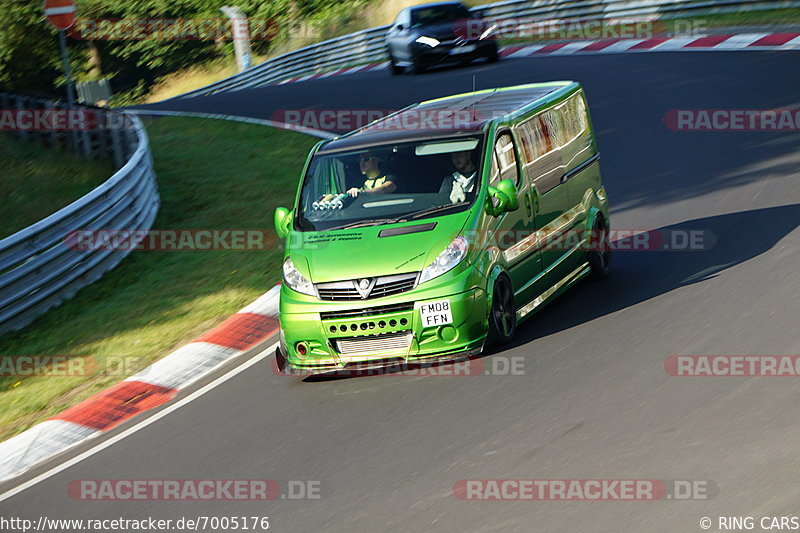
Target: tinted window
x=438, y=15
x=417, y=177
x=535, y=139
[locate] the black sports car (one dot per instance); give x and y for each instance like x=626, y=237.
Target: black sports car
x=433, y=34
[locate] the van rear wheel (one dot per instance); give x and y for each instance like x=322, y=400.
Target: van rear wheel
x=600, y=249
x=503, y=314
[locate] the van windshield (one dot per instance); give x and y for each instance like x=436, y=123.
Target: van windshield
x=390, y=183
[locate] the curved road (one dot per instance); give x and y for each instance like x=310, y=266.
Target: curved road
x=594, y=400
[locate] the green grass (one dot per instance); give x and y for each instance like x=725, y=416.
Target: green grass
x=212, y=174
x=37, y=181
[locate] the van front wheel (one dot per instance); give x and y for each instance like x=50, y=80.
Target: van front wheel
x=600, y=249
x=503, y=314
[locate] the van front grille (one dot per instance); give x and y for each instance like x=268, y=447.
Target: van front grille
x=374, y=343
x=369, y=311
x=383, y=286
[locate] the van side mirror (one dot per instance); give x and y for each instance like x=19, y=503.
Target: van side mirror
x=502, y=198
x=283, y=222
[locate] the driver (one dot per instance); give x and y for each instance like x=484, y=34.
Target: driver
x=462, y=181
x=376, y=182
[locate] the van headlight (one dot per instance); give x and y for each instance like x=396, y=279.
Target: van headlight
x=295, y=280
x=430, y=41
x=447, y=260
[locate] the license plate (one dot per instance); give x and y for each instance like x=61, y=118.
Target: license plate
x=436, y=313
x=463, y=49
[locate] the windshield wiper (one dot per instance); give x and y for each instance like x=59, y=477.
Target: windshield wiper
x=404, y=218
x=432, y=210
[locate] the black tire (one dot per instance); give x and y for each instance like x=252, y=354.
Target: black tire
x=394, y=70
x=417, y=67
x=503, y=314
x=599, y=250
x=493, y=56
x=280, y=360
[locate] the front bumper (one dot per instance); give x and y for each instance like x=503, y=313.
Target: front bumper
x=330, y=339
x=444, y=53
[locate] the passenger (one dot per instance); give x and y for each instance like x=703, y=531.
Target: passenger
x=377, y=182
x=462, y=181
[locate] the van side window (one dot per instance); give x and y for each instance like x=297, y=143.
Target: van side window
x=506, y=160
x=534, y=138
x=569, y=119
x=574, y=113
x=553, y=125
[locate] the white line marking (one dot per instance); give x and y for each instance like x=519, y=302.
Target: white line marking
x=44, y=440
x=526, y=51
x=676, y=43
x=794, y=43
x=350, y=70
x=331, y=73
x=621, y=46
x=571, y=48
x=59, y=10
x=740, y=41
x=141, y=425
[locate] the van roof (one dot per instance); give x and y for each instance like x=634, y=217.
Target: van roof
x=456, y=115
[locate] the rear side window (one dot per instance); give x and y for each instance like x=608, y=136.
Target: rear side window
x=553, y=128
x=535, y=139
x=569, y=119
x=574, y=112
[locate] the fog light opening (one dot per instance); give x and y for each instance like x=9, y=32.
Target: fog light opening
x=302, y=348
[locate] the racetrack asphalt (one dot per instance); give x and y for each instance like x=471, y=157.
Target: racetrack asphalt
x=594, y=400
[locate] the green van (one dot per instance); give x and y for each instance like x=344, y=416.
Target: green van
x=415, y=244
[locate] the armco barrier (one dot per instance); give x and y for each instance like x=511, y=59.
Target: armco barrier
x=37, y=268
x=368, y=45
